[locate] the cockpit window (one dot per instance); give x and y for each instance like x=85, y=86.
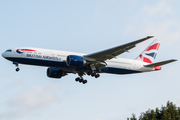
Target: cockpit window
x=9, y=50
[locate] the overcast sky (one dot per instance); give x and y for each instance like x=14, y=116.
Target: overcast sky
x=87, y=26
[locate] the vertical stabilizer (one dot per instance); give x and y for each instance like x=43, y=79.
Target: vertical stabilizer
x=150, y=53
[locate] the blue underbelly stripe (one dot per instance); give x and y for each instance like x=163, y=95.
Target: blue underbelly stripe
x=62, y=65
x=37, y=62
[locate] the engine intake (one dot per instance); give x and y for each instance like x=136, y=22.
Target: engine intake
x=54, y=72
x=75, y=61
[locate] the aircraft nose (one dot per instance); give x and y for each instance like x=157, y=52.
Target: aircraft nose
x=3, y=54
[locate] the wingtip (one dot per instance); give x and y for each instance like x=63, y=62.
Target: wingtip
x=150, y=36
x=174, y=59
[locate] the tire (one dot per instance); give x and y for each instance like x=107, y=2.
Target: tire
x=89, y=73
x=97, y=75
x=77, y=79
x=85, y=81
x=93, y=74
x=17, y=69
x=80, y=80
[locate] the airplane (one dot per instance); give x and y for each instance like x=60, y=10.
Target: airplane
x=61, y=63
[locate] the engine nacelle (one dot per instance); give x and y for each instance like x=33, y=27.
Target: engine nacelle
x=54, y=72
x=75, y=61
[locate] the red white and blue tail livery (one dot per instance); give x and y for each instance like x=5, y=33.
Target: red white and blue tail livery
x=62, y=63
x=149, y=54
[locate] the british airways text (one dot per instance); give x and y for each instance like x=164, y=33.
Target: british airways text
x=42, y=56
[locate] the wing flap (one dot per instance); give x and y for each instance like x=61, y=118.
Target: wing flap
x=160, y=63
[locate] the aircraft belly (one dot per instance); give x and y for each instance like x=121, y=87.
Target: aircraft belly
x=121, y=67
x=38, y=62
x=118, y=70
x=49, y=63
x=112, y=69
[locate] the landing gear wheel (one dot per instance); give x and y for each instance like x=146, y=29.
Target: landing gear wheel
x=85, y=81
x=80, y=80
x=77, y=79
x=97, y=75
x=17, y=69
x=93, y=74
x=89, y=73
x=17, y=65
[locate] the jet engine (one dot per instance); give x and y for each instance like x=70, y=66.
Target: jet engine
x=75, y=61
x=54, y=72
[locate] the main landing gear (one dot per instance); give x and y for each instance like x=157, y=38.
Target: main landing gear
x=81, y=80
x=17, y=65
x=93, y=74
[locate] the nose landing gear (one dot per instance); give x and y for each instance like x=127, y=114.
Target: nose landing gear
x=17, y=65
x=17, y=69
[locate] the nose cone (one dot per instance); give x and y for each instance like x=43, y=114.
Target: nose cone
x=3, y=54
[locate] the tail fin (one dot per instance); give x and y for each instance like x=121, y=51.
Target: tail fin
x=149, y=54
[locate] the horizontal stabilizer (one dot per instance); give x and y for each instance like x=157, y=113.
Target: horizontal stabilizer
x=160, y=63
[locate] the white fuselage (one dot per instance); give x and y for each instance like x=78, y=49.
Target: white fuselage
x=56, y=58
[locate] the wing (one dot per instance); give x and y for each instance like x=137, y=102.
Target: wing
x=113, y=52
